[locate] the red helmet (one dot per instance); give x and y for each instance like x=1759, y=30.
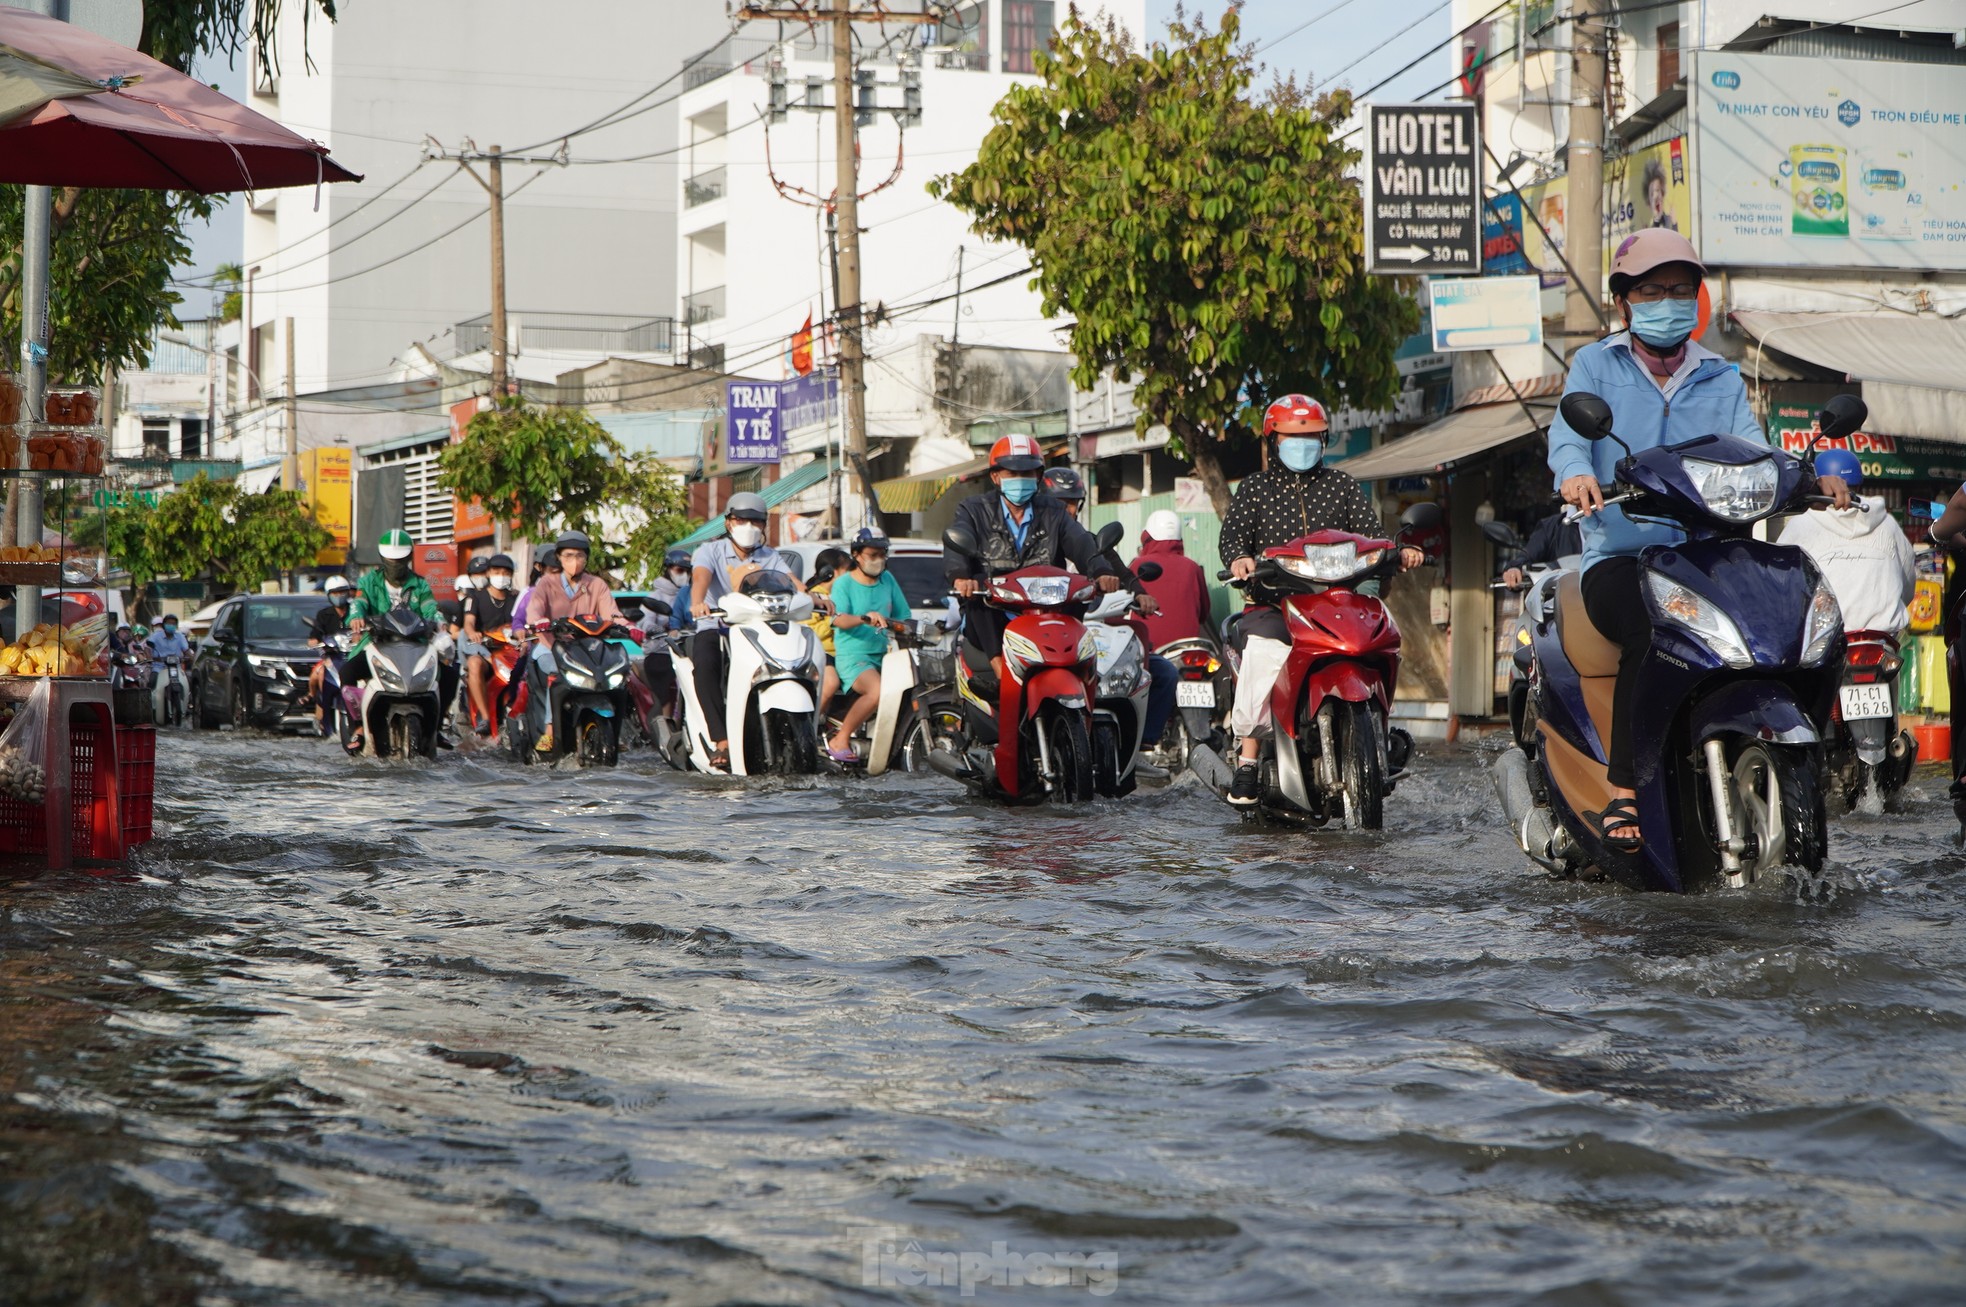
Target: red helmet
x=1294, y=408
x=1016, y=453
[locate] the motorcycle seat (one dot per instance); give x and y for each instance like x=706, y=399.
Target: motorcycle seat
x=1587, y=648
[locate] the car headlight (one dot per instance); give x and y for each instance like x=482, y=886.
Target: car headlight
x=1822, y=626
x=1328, y=563
x=1697, y=615
x=1739, y=492
x=578, y=677
x=1022, y=655
x=267, y=663
x=1049, y=589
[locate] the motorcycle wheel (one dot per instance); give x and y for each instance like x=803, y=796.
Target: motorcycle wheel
x=1105, y=761
x=597, y=745
x=1361, y=765
x=1071, y=756
x=1780, y=796
x=797, y=743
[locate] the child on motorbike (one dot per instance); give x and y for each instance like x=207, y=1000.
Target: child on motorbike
x=866, y=601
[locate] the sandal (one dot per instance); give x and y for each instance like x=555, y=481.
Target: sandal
x=720, y=758
x=1618, y=814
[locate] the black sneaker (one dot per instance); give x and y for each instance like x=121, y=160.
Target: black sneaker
x=1247, y=787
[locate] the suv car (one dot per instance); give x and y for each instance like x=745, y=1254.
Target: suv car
x=251, y=670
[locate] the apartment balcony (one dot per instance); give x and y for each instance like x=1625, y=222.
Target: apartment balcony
x=704, y=187
x=704, y=306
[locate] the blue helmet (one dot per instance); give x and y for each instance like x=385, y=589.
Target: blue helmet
x=1840, y=463
x=869, y=538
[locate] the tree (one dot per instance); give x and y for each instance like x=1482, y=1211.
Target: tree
x=228, y=277
x=1201, y=240
x=244, y=539
x=649, y=511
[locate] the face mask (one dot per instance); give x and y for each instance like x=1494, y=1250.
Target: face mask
x=339, y=600
x=746, y=535
x=1665, y=324
x=501, y=580
x=1300, y=453
x=873, y=566
x=679, y=574
x=1018, y=490
x=170, y=630
x=467, y=583
x=395, y=570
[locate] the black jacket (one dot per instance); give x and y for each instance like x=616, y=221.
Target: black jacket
x=1275, y=506
x=1551, y=540
x=1053, y=539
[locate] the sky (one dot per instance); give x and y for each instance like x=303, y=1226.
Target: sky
x=1354, y=42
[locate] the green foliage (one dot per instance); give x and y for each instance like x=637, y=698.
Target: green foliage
x=243, y=539
x=1200, y=239
x=228, y=277
x=648, y=511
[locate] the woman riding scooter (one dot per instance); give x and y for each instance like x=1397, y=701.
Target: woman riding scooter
x=1662, y=387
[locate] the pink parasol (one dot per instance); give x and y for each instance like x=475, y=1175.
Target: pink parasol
x=121, y=118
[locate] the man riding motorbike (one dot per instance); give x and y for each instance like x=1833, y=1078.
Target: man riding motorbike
x=166, y=640
x=571, y=592
x=1553, y=539
x=329, y=622
x=1295, y=496
x=1663, y=387
x=672, y=588
x=545, y=563
x=1015, y=527
x=485, y=611
x=391, y=585
x=1181, y=590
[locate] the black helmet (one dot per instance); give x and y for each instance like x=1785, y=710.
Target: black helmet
x=869, y=538
x=573, y=540
x=545, y=555
x=677, y=558
x=497, y=561
x=478, y=567
x=1064, y=483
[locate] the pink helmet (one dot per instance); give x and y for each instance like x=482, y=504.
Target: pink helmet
x=1651, y=248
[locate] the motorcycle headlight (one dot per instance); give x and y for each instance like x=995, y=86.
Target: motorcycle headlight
x=426, y=663
x=1328, y=563
x=1123, y=677
x=1022, y=655
x=1698, y=616
x=1739, y=492
x=1820, y=628
x=1049, y=589
x=614, y=681
x=385, y=672
x=578, y=677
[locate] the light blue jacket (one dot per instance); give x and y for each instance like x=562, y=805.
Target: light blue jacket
x=1711, y=400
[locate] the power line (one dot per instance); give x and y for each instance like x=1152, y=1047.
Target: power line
x=207, y=285
x=1308, y=22
x=628, y=110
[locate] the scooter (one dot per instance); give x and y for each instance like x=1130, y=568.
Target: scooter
x=588, y=704
x=1037, y=741
x=1333, y=753
x=169, y=690
x=400, y=706
x=771, y=678
x=1119, y=713
x=883, y=740
x=1201, y=697
x=1540, y=581
x=1869, y=757
x=1737, y=687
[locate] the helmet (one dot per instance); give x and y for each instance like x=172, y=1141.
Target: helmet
x=1164, y=524
x=139, y=630
x=478, y=567
x=1650, y=248
x=869, y=538
x=573, y=540
x=1840, y=463
x=1294, y=408
x=1064, y=483
x=499, y=562
x=677, y=558
x=748, y=506
x=335, y=583
x=396, y=544
x=546, y=556
x=1016, y=453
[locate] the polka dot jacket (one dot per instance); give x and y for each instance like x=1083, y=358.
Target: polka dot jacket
x=1275, y=506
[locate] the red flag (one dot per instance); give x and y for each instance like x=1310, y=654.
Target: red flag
x=802, y=348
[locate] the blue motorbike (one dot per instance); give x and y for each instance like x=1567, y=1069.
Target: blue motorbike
x=1734, y=697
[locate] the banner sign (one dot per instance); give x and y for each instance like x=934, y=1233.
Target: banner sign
x=1646, y=188
x=1486, y=312
x=1501, y=238
x=329, y=471
x=808, y=400
x=1423, y=209
x=1829, y=163
x=751, y=416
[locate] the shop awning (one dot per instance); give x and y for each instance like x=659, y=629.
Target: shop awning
x=1452, y=441
x=1912, y=366
x=914, y=494
x=774, y=494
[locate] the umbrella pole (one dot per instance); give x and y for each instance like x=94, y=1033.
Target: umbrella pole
x=37, y=239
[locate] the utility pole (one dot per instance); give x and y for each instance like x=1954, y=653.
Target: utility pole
x=493, y=183
x=1584, y=216
x=290, y=465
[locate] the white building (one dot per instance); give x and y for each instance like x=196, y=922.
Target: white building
x=364, y=268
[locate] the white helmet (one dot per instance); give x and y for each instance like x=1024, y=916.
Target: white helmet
x=1163, y=524
x=335, y=583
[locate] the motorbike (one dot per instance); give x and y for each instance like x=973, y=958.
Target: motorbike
x=1333, y=753
x=771, y=679
x=132, y=671
x=1538, y=594
x=1201, y=697
x=893, y=739
x=1119, y=712
x=400, y=705
x=168, y=690
x=1867, y=754
x=1738, y=685
x=589, y=703
x=1040, y=740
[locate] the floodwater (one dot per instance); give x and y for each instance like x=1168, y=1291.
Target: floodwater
x=467, y=1033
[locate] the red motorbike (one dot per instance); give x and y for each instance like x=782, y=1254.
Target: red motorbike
x=505, y=678
x=1334, y=753
x=1038, y=740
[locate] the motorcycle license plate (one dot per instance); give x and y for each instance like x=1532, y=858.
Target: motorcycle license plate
x=1195, y=694
x=1861, y=701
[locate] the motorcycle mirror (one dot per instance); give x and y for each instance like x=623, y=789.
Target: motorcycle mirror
x=1843, y=416
x=657, y=607
x=1110, y=535
x=959, y=539
x=1501, y=533
x=1421, y=517
x=1148, y=571
x=1587, y=415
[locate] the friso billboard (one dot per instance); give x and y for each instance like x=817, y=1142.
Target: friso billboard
x=1829, y=163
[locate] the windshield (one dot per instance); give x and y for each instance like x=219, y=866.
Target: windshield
x=921, y=578
x=279, y=622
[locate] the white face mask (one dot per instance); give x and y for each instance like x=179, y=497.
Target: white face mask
x=746, y=535
x=679, y=574
x=501, y=580
x=873, y=566
x=467, y=583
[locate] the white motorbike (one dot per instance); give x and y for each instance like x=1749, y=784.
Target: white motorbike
x=1119, y=714
x=399, y=697
x=168, y=693
x=772, y=669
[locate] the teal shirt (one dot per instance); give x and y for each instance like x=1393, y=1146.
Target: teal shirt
x=865, y=643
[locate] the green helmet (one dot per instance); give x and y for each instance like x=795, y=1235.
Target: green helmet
x=396, y=544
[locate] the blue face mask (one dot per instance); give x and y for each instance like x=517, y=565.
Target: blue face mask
x=1665, y=324
x=1300, y=453
x=1018, y=490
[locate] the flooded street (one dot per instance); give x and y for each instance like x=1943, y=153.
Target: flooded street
x=467, y=1033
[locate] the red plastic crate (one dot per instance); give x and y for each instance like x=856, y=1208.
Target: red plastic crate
x=136, y=780
x=23, y=826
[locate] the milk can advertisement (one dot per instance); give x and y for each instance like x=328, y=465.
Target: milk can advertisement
x=1830, y=163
